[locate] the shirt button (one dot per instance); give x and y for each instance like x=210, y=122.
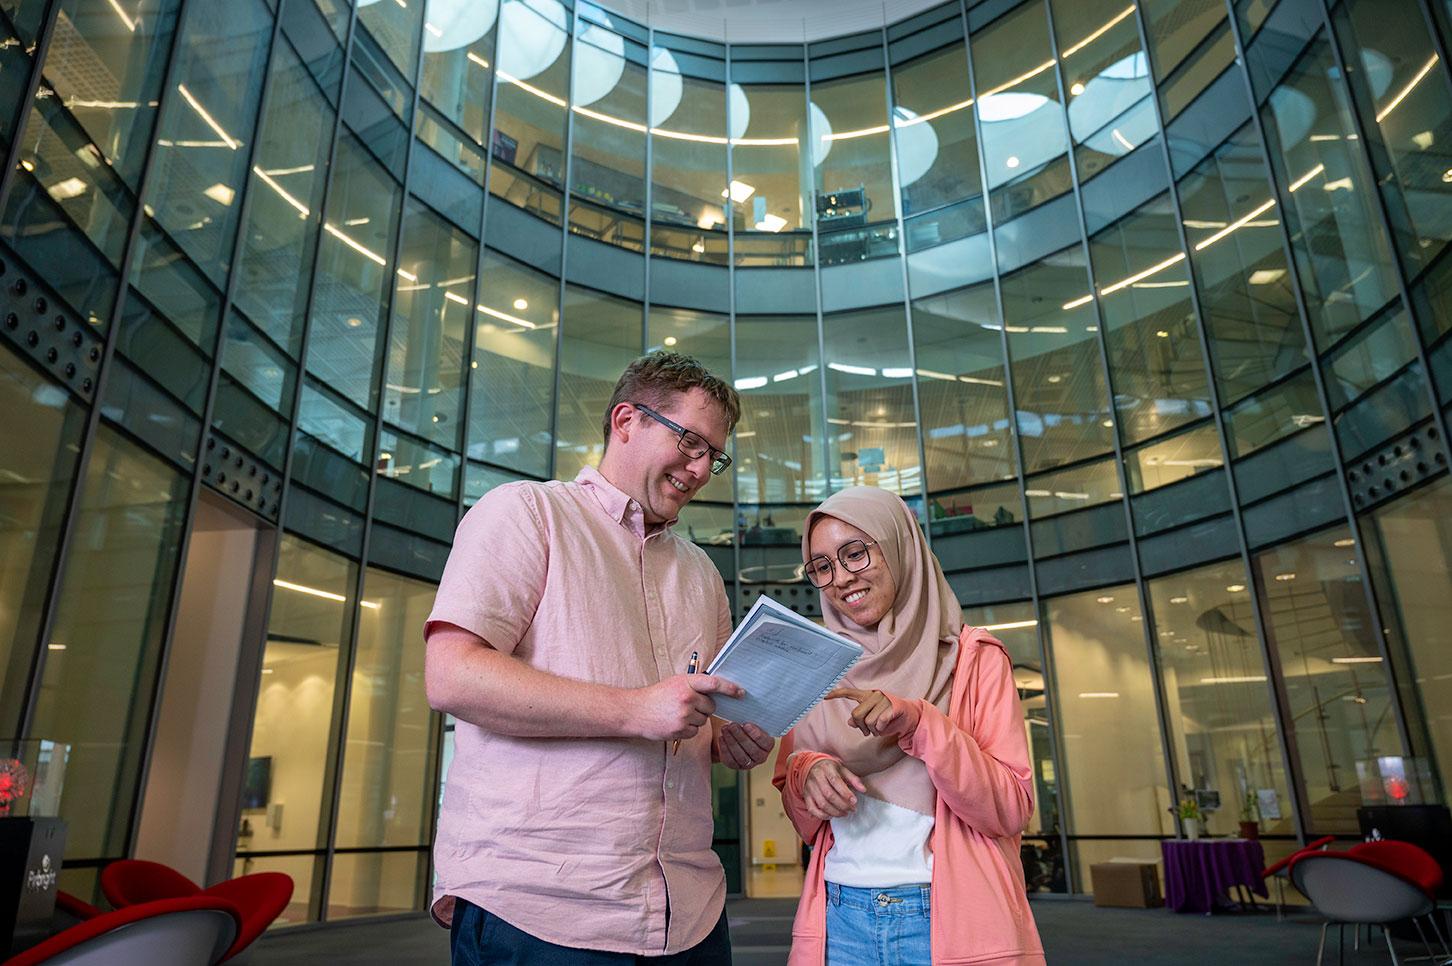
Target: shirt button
x=670, y=784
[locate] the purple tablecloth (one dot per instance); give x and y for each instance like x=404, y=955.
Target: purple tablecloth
x=1197, y=874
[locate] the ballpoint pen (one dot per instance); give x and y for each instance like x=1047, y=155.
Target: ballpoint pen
x=690, y=669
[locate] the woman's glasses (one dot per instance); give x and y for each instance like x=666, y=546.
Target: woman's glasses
x=852, y=555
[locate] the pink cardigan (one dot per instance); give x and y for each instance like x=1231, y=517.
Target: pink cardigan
x=978, y=759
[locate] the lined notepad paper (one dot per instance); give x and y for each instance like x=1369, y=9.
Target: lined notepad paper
x=786, y=664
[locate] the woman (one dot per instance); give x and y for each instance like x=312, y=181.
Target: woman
x=912, y=782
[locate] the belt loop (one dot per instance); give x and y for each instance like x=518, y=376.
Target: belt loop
x=834, y=893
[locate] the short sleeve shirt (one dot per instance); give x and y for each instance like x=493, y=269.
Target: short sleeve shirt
x=582, y=842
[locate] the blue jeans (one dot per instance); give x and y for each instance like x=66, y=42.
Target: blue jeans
x=480, y=938
x=878, y=927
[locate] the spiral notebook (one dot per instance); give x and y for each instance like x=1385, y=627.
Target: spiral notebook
x=786, y=664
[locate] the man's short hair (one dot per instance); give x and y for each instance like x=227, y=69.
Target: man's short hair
x=657, y=378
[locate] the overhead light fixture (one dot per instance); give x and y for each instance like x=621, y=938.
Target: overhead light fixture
x=1285, y=577
x=1105, y=600
x=69, y=188
x=1344, y=542
x=739, y=192
x=669, y=340
x=1076, y=88
x=1356, y=660
x=1011, y=625
x=521, y=304
x=221, y=194
x=1181, y=599
x=1235, y=588
x=1238, y=679
x=1265, y=276
x=772, y=223
x=1098, y=694
x=1012, y=161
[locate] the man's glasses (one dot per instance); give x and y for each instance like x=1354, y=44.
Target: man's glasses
x=690, y=444
x=852, y=555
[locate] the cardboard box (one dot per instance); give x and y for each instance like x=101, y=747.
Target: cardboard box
x=1126, y=884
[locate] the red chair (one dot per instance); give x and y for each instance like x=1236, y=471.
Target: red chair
x=1278, y=870
x=1347, y=889
x=259, y=897
x=1411, y=862
x=193, y=929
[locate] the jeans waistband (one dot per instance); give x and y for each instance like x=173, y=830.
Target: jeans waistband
x=908, y=900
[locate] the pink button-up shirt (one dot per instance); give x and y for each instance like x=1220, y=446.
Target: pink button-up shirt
x=582, y=841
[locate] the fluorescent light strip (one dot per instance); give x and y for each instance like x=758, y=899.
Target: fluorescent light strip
x=931, y=115
x=302, y=209
x=505, y=316
x=348, y=240
x=1098, y=694
x=1011, y=625
x=1122, y=140
x=311, y=591
x=1082, y=300
x=1356, y=660
x=1098, y=33
x=454, y=297
x=1401, y=95
x=1140, y=276
x=1018, y=80
x=211, y=122
x=130, y=23
x=1301, y=181
x=477, y=59
x=1235, y=225
x=1246, y=679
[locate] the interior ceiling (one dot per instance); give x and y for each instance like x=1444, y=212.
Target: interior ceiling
x=766, y=21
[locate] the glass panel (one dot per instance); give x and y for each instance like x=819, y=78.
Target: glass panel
x=707, y=338
x=1411, y=540
x=1191, y=44
x=1342, y=252
x=105, y=66
x=769, y=190
x=1170, y=460
x=937, y=148
x=688, y=159
x=418, y=464
x=457, y=46
x=353, y=273
x=1223, y=729
x=528, y=139
x=1086, y=485
x=1058, y=378
x=373, y=883
x=1154, y=345
x=1233, y=231
x=115, y=594
x=206, y=130
x=281, y=236
x=385, y=799
x=513, y=367
x=1024, y=137
x=38, y=466
x=780, y=444
x=852, y=161
x=1041, y=849
x=1107, y=79
x=601, y=337
x=966, y=432
x=394, y=27
x=1274, y=414
x=870, y=402
x=433, y=307
x=1405, y=101
x=292, y=725
x=1109, y=729
x=608, y=95
x=1339, y=693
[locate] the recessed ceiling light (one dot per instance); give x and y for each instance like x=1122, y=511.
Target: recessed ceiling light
x=669, y=340
x=1076, y=88
x=1012, y=162
x=1180, y=600
x=1344, y=542
x=1235, y=588
x=521, y=304
x=1105, y=600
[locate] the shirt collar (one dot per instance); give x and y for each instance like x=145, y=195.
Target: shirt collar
x=617, y=505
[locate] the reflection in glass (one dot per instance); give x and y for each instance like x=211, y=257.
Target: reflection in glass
x=101, y=659
x=385, y=799
x=937, y=149
x=31, y=505
x=706, y=337
x=851, y=158
x=601, y=336
x=1058, y=378
x=688, y=162
x=1190, y=45
x=528, y=140
x=1343, y=256
x=780, y=446
x=1024, y=137
x=433, y=309
x=967, y=436
x=512, y=371
x=1106, y=76
x=1154, y=347
x=1233, y=228
x=1337, y=689
x=1109, y=734
x=456, y=77
x=1223, y=730
x=870, y=418
x=769, y=192
x=608, y=96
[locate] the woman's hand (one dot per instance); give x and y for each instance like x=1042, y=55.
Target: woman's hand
x=829, y=790
x=878, y=713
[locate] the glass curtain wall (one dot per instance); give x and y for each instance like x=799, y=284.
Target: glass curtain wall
x=1143, y=308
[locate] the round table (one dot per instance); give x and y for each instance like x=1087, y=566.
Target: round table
x=1198, y=873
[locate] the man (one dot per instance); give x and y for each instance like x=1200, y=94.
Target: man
x=573, y=830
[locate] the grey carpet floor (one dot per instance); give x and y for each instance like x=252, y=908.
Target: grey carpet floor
x=1073, y=931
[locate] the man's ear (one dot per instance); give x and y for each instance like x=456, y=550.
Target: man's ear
x=622, y=421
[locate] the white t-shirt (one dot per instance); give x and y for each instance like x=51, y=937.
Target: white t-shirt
x=880, y=845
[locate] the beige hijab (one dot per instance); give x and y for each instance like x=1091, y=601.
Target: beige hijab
x=910, y=653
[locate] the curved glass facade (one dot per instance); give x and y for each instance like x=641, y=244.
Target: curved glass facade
x=1143, y=306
